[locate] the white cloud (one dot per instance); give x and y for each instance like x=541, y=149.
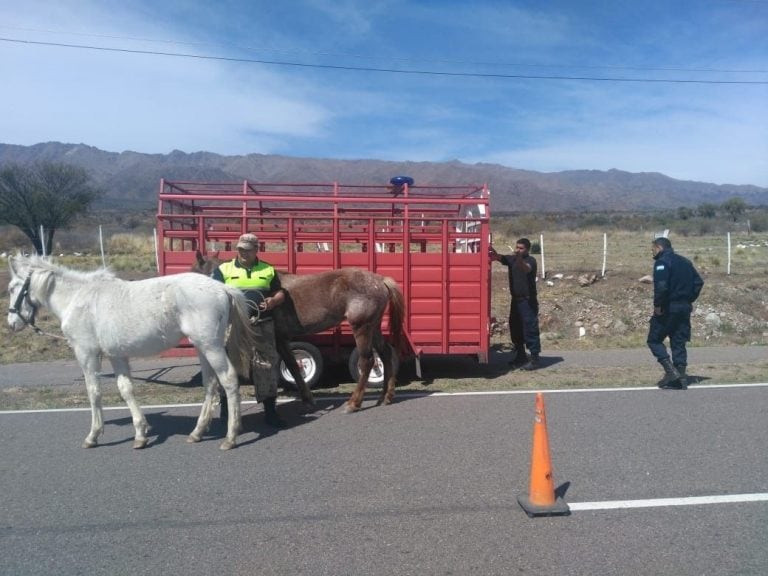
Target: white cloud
x=147, y=103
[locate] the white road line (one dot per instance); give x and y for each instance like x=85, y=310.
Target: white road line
x=407, y=394
x=582, y=390
x=661, y=502
x=110, y=408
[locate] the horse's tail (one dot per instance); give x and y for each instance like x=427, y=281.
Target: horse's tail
x=396, y=315
x=241, y=337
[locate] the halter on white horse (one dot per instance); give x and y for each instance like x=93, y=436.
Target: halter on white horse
x=103, y=316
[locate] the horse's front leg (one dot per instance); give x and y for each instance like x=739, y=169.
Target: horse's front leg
x=286, y=355
x=125, y=385
x=364, y=366
x=91, y=364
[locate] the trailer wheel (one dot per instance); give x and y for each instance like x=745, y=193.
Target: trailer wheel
x=376, y=378
x=309, y=359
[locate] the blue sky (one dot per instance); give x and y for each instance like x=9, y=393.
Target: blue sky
x=485, y=81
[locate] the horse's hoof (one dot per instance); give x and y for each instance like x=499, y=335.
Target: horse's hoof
x=193, y=438
x=350, y=408
x=90, y=444
x=227, y=445
x=307, y=407
x=139, y=444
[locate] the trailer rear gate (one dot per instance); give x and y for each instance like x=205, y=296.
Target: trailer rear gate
x=433, y=240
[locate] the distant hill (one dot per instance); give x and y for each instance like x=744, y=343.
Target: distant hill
x=132, y=178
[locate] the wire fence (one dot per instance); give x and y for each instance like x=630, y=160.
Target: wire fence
x=558, y=252
x=630, y=253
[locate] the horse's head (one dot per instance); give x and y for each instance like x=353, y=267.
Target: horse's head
x=22, y=309
x=205, y=264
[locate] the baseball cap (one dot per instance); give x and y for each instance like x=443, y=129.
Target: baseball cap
x=248, y=242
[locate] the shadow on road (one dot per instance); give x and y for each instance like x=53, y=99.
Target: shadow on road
x=163, y=425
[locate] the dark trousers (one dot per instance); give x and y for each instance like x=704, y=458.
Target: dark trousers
x=524, y=326
x=676, y=326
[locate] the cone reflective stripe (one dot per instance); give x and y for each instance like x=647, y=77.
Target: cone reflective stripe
x=541, y=500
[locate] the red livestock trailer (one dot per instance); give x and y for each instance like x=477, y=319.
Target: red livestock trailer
x=433, y=240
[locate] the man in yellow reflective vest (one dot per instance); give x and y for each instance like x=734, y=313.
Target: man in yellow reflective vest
x=261, y=285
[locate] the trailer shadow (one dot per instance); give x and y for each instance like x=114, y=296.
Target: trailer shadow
x=466, y=366
x=456, y=366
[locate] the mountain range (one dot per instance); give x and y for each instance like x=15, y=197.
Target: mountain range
x=132, y=178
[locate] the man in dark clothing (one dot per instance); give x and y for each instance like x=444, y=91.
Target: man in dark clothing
x=676, y=285
x=524, y=306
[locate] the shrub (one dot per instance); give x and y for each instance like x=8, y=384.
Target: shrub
x=129, y=244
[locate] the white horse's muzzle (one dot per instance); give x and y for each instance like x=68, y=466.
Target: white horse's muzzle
x=15, y=322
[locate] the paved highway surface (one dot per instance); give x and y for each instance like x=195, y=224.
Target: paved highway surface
x=427, y=486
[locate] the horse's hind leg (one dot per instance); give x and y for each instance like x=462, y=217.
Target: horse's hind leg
x=90, y=365
x=125, y=385
x=211, y=389
x=364, y=365
x=387, y=355
x=227, y=375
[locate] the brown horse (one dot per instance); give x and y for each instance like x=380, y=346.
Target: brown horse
x=317, y=302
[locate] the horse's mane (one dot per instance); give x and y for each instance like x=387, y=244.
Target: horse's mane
x=38, y=263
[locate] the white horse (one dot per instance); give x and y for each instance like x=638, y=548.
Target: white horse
x=102, y=315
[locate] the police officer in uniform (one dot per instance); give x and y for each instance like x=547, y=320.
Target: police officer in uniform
x=676, y=285
x=259, y=280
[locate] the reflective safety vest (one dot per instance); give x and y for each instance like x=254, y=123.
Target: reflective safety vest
x=257, y=277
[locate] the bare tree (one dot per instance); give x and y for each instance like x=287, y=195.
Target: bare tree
x=45, y=194
x=735, y=207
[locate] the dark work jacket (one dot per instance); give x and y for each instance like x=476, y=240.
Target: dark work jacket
x=676, y=283
x=521, y=284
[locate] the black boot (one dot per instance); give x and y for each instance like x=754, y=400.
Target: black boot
x=671, y=379
x=533, y=364
x=683, y=377
x=520, y=358
x=271, y=417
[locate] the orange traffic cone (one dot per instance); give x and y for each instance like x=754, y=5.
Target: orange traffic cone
x=541, y=500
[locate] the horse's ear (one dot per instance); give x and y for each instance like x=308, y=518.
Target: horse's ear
x=11, y=260
x=200, y=258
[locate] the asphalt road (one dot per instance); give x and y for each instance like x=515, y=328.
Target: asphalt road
x=427, y=486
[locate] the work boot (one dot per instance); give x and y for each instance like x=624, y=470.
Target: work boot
x=683, y=377
x=271, y=417
x=520, y=358
x=533, y=364
x=671, y=379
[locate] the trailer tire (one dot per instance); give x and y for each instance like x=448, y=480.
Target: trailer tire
x=376, y=378
x=310, y=361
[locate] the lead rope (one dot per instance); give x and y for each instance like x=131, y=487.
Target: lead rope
x=44, y=333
